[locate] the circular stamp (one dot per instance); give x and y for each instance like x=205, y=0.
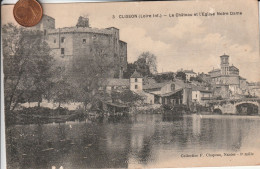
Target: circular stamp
x=28, y=12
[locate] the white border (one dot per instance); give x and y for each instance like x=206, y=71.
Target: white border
x=2, y=127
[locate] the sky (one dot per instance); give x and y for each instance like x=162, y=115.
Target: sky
x=178, y=42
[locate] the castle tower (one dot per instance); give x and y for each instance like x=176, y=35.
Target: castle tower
x=136, y=82
x=83, y=22
x=224, y=64
x=45, y=24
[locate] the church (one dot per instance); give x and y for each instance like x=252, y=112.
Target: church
x=226, y=81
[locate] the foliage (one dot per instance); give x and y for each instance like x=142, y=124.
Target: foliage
x=61, y=92
x=150, y=60
x=131, y=67
x=219, y=98
x=142, y=67
x=197, y=78
x=27, y=64
x=181, y=75
x=87, y=73
x=146, y=64
x=126, y=96
x=164, y=77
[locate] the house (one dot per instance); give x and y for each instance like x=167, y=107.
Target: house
x=254, y=89
x=169, y=92
x=114, y=84
x=189, y=74
x=201, y=95
x=136, y=82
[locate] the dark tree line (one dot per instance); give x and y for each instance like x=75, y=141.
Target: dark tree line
x=27, y=65
x=31, y=73
x=146, y=64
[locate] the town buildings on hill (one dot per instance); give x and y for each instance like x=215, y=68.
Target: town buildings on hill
x=171, y=92
x=82, y=41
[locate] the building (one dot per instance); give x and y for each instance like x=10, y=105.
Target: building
x=201, y=95
x=81, y=41
x=169, y=92
x=226, y=80
x=136, y=82
x=254, y=89
x=189, y=74
x=114, y=84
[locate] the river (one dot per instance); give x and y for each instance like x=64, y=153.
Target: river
x=137, y=141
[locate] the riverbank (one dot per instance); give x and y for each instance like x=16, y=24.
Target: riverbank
x=113, y=142
x=42, y=115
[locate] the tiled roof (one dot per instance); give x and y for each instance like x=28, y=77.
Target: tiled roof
x=242, y=78
x=215, y=70
x=160, y=85
x=189, y=71
x=224, y=55
x=233, y=68
x=136, y=75
x=116, y=82
x=168, y=93
x=200, y=88
x=154, y=85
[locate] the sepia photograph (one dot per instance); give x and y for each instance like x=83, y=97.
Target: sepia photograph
x=158, y=84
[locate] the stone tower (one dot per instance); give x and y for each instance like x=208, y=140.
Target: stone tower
x=224, y=64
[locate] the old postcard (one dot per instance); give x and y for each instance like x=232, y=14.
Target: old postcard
x=133, y=85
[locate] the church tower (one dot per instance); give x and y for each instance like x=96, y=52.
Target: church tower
x=224, y=64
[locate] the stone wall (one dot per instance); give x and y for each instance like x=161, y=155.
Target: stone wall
x=90, y=43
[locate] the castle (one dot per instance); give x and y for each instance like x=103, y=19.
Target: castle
x=83, y=41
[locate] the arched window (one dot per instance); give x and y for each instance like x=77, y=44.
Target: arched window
x=172, y=87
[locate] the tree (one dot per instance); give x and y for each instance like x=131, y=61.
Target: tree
x=142, y=67
x=86, y=73
x=150, y=60
x=159, y=78
x=27, y=63
x=62, y=92
x=197, y=78
x=181, y=75
x=126, y=96
x=146, y=64
x=131, y=67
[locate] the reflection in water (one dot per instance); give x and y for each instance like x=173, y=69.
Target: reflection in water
x=120, y=142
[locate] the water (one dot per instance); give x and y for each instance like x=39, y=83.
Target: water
x=137, y=141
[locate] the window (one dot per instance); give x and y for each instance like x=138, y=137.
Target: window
x=135, y=79
x=84, y=41
x=45, y=32
x=136, y=87
x=62, y=39
x=62, y=51
x=54, y=41
x=172, y=87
